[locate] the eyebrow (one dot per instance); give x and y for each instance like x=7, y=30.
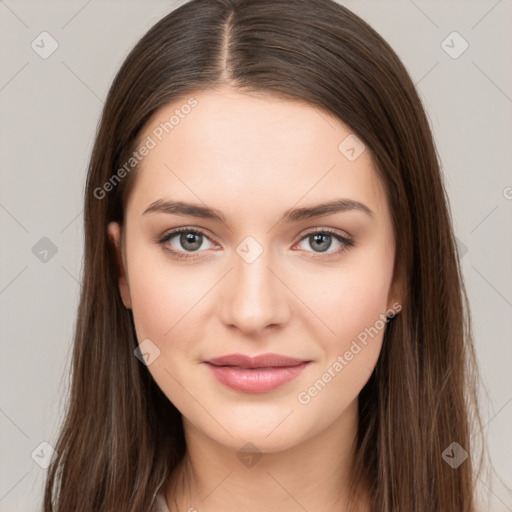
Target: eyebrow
x=291, y=215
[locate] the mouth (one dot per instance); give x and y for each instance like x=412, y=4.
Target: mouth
x=255, y=374
x=257, y=362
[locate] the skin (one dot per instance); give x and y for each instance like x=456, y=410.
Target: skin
x=253, y=156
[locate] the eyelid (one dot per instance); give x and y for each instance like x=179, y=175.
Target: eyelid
x=345, y=239
x=168, y=235
x=332, y=231
x=180, y=229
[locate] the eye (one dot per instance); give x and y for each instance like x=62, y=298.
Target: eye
x=188, y=240
x=322, y=240
x=191, y=240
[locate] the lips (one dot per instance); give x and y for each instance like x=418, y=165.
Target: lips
x=262, y=361
x=255, y=374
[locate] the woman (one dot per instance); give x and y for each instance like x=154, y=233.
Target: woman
x=272, y=314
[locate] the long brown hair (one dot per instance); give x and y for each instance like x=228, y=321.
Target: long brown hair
x=122, y=437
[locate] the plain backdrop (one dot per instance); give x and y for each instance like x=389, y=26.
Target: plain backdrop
x=49, y=110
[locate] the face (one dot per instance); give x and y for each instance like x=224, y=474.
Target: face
x=264, y=273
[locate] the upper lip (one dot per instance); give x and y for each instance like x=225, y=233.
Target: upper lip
x=261, y=361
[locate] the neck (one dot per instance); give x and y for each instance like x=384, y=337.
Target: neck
x=314, y=475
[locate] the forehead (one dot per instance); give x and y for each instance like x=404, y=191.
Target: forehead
x=254, y=149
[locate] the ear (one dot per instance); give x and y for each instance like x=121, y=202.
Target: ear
x=114, y=232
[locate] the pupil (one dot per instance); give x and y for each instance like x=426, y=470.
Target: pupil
x=188, y=238
x=319, y=238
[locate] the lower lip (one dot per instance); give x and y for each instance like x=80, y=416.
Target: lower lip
x=257, y=380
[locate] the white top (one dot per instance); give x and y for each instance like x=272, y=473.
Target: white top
x=159, y=505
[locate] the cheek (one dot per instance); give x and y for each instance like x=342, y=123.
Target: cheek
x=151, y=305
x=359, y=330
x=161, y=295
x=353, y=305
x=354, y=298
x=355, y=309
x=164, y=300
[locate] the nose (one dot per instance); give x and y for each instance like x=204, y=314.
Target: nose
x=254, y=297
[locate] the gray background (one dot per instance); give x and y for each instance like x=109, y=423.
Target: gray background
x=49, y=112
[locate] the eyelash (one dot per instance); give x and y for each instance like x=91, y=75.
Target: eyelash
x=346, y=242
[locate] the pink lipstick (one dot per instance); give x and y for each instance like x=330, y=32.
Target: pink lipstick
x=255, y=374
